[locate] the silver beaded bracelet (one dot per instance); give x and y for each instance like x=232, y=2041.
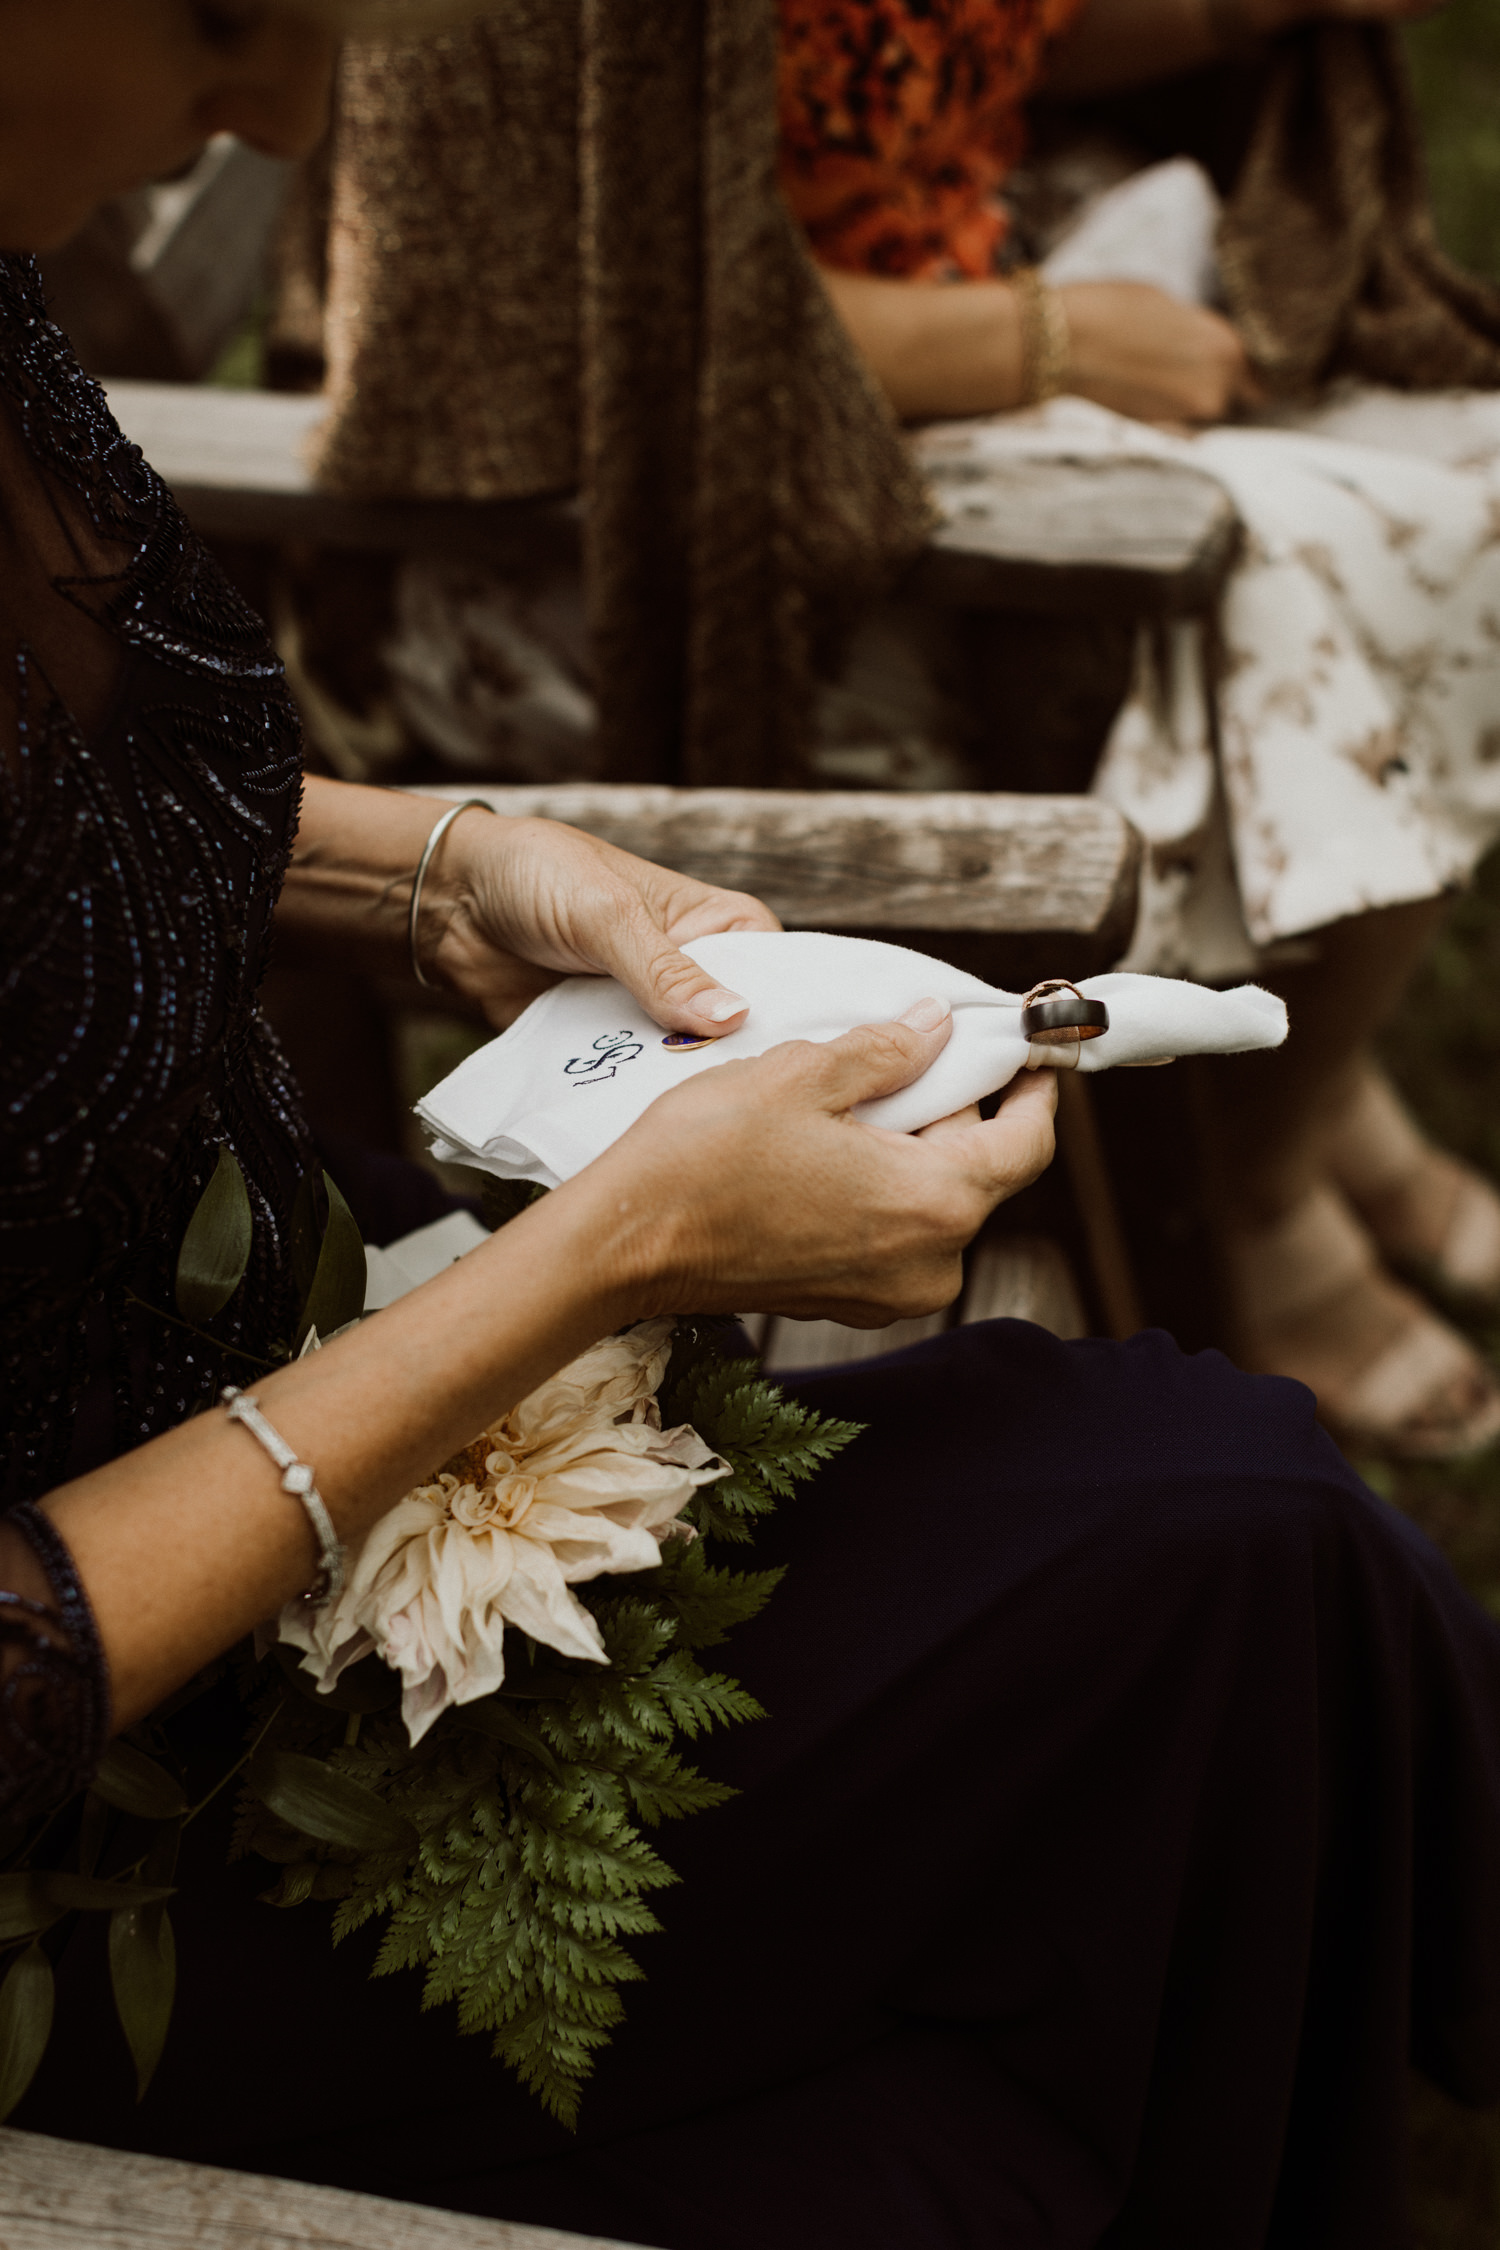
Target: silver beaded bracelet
x=299, y=1480
x=440, y=829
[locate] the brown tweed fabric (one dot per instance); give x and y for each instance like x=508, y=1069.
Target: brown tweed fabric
x=452, y=312
x=1327, y=250
x=558, y=258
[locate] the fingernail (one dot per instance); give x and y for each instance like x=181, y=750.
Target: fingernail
x=719, y=1006
x=926, y=1015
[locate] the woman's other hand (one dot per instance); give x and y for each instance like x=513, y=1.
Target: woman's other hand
x=754, y=1187
x=956, y=348
x=1142, y=353
x=507, y=906
x=528, y=901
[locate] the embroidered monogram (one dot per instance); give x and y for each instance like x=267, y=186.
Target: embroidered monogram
x=609, y=1053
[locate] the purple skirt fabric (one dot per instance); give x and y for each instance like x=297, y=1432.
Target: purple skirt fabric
x=1126, y=1819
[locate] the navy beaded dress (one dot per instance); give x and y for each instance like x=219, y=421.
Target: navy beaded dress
x=150, y=779
x=1127, y=1815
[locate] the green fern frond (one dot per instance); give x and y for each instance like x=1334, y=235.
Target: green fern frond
x=532, y=1877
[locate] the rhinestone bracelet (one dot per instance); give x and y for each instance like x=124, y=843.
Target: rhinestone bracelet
x=299, y=1480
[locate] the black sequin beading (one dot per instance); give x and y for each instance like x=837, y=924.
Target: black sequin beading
x=150, y=770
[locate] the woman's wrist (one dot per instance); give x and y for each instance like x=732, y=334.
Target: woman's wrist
x=349, y=884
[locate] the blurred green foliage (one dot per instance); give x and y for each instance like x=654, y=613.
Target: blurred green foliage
x=1456, y=60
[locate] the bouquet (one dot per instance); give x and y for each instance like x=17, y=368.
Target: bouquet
x=475, y=1742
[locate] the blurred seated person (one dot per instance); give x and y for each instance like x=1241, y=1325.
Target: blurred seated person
x=1325, y=777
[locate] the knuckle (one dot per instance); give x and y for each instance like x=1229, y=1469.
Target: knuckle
x=887, y=1044
x=675, y=973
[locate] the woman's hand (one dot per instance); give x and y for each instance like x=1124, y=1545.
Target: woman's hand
x=507, y=907
x=528, y=901
x=750, y=1186
x=940, y=349
x=753, y=1187
x=1142, y=353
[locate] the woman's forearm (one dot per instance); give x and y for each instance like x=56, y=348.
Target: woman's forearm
x=749, y=1187
x=348, y=888
x=186, y=1544
x=956, y=348
x=935, y=348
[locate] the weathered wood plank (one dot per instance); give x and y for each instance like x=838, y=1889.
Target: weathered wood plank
x=1023, y=1277
x=1076, y=538
x=65, y=2195
x=237, y=464
x=1103, y=537
x=960, y=861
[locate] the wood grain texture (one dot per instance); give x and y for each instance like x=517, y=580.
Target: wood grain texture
x=849, y=860
x=65, y=2195
x=237, y=463
x=1071, y=538
x=1104, y=537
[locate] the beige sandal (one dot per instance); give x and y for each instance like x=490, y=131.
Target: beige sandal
x=1432, y=1216
x=1312, y=1300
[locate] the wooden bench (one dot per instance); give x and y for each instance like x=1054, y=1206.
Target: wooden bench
x=1070, y=538
x=66, y=2195
x=963, y=875
x=1013, y=886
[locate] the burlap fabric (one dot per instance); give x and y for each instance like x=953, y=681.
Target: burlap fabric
x=1327, y=250
x=558, y=260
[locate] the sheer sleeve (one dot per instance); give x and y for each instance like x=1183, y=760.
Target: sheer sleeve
x=54, y=1688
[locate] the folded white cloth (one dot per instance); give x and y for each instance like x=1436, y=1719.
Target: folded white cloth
x=582, y=1064
x=403, y=1266
x=1159, y=225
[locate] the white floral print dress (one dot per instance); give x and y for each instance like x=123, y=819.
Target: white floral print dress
x=1339, y=749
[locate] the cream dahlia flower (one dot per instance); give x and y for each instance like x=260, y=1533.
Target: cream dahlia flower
x=578, y=1480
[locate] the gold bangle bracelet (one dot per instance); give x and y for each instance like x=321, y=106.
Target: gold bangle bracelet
x=1046, y=345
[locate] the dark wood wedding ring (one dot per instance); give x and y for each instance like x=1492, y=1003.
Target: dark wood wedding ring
x=1055, y=1014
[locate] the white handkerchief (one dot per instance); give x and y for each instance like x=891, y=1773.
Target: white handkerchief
x=585, y=1060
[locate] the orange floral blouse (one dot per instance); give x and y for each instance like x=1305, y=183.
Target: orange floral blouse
x=899, y=119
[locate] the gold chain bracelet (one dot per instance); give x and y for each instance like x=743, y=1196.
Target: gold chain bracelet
x=1046, y=345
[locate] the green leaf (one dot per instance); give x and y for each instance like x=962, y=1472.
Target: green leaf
x=22, y=1907
x=322, y=1803
x=504, y=1200
x=134, y=1783
x=216, y=1248
x=337, y=1294
x=143, y=1971
x=87, y=1894
x=493, y=1718
x=92, y=1825
x=31, y=1902
x=26, y=2001
x=307, y=1236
